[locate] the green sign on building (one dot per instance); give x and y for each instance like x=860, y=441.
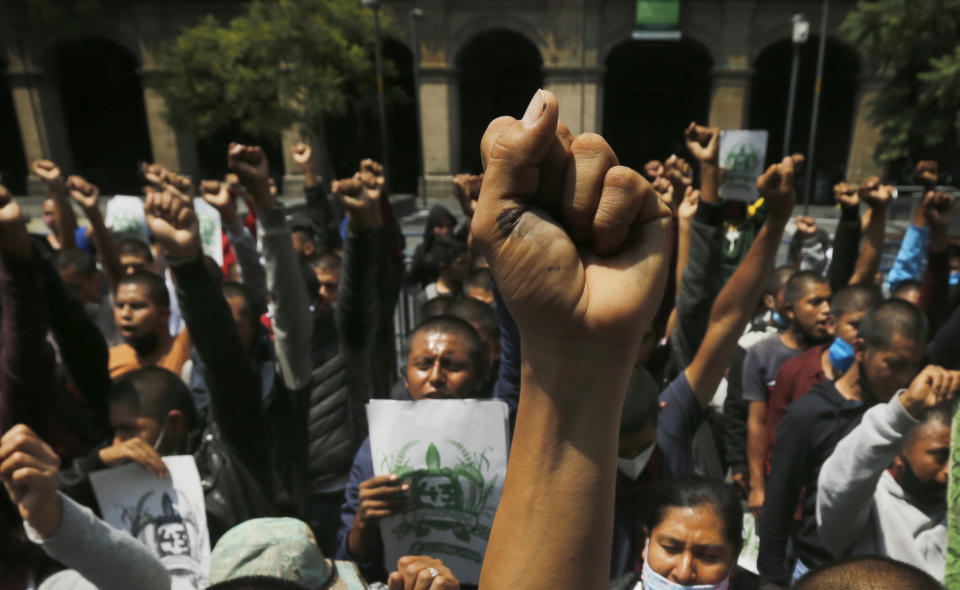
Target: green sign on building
x=657, y=20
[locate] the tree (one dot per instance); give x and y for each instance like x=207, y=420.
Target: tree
x=915, y=42
x=282, y=63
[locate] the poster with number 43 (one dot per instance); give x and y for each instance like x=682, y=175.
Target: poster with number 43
x=742, y=153
x=453, y=454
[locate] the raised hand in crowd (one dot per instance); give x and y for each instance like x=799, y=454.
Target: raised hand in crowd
x=134, y=450
x=49, y=173
x=380, y=497
x=29, y=469
x=928, y=173
x=653, y=170
x=422, y=572
x=680, y=174
x=933, y=387
x=250, y=164
x=467, y=187
x=664, y=189
x=59, y=217
x=360, y=196
x=872, y=192
x=14, y=238
x=581, y=312
x=303, y=156
x=217, y=194
x=85, y=194
x=806, y=226
x=704, y=144
x=173, y=223
x=846, y=194
x=688, y=206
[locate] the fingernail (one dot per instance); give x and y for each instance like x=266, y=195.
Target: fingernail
x=536, y=108
x=393, y=477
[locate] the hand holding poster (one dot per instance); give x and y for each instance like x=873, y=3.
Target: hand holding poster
x=742, y=153
x=125, y=217
x=167, y=515
x=453, y=454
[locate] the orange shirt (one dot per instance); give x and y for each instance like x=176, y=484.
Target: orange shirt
x=123, y=359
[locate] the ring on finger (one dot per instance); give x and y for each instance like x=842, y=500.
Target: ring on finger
x=433, y=572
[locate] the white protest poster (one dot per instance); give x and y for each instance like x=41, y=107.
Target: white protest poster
x=453, y=453
x=125, y=217
x=167, y=515
x=751, y=544
x=211, y=231
x=742, y=153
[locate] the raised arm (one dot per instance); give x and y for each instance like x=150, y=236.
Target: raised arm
x=64, y=219
x=877, y=197
x=88, y=196
x=846, y=240
x=936, y=277
x=233, y=382
x=26, y=359
x=737, y=300
x=580, y=318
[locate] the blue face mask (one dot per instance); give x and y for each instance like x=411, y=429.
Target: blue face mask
x=778, y=320
x=654, y=581
x=841, y=355
x=954, y=279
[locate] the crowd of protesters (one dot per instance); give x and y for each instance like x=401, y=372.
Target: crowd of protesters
x=662, y=384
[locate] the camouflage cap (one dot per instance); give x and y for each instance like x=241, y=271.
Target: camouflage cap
x=281, y=549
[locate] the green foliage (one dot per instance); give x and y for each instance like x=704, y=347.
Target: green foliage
x=282, y=62
x=914, y=41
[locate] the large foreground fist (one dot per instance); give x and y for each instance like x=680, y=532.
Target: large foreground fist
x=29, y=469
x=577, y=243
x=173, y=223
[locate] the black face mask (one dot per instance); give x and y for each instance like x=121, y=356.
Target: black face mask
x=925, y=493
x=143, y=344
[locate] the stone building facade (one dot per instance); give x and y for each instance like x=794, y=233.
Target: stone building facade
x=479, y=58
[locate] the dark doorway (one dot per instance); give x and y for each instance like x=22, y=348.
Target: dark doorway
x=499, y=72
x=768, y=107
x=652, y=91
x=13, y=165
x=105, y=117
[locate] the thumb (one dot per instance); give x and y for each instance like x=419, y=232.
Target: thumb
x=512, y=151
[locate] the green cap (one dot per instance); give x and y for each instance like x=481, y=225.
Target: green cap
x=277, y=549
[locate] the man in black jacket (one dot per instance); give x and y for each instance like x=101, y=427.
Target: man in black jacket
x=889, y=352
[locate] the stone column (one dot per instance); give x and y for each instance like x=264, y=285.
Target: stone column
x=173, y=148
x=578, y=92
x=36, y=100
x=730, y=98
x=440, y=124
x=866, y=135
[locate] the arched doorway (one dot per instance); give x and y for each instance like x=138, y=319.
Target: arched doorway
x=13, y=165
x=768, y=107
x=499, y=72
x=652, y=90
x=103, y=108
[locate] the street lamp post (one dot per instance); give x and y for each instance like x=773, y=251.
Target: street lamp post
x=817, y=88
x=801, y=32
x=375, y=4
x=415, y=15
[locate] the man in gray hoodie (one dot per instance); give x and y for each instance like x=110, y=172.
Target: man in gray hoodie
x=883, y=490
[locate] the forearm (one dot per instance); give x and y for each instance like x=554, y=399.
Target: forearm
x=64, y=218
x=733, y=308
x=356, y=308
x=757, y=443
x=683, y=250
x=106, y=247
x=846, y=243
x=701, y=281
x=245, y=249
x=870, y=252
x=910, y=257
x=292, y=322
x=567, y=443
x=709, y=182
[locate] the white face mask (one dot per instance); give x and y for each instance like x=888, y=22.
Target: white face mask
x=632, y=468
x=654, y=581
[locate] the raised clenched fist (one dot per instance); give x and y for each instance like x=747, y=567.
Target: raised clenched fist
x=467, y=188
x=928, y=173
x=48, y=172
x=218, y=195
x=875, y=194
x=155, y=174
x=846, y=194
x=776, y=186
x=653, y=170
x=250, y=164
x=806, y=227
x=679, y=172
x=14, y=238
x=372, y=166
x=302, y=154
x=689, y=205
x=703, y=142
x=581, y=263
x=937, y=209
x=360, y=196
x=84, y=193
x=173, y=223
x=933, y=387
